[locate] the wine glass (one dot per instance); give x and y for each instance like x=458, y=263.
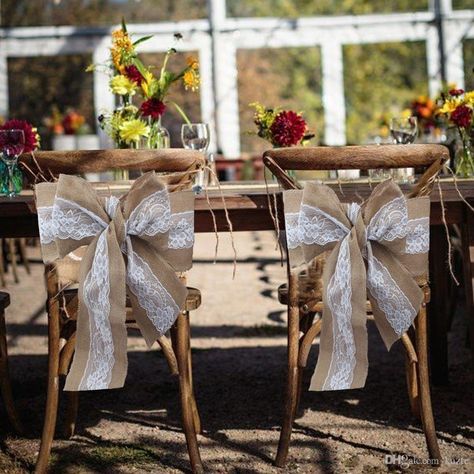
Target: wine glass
x=404, y=131
x=195, y=136
x=12, y=144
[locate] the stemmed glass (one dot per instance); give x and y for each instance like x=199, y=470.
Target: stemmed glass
x=404, y=131
x=12, y=144
x=195, y=136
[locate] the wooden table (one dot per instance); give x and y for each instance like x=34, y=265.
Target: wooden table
x=247, y=204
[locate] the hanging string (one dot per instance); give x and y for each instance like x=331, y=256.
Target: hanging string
x=274, y=216
x=446, y=228
x=455, y=180
x=226, y=212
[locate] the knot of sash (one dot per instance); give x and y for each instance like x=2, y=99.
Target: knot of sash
x=135, y=246
x=376, y=251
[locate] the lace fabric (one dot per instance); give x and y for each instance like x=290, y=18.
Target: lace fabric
x=339, y=294
x=96, y=299
x=311, y=225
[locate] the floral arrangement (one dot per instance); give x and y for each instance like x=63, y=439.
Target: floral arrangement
x=32, y=138
x=424, y=109
x=70, y=123
x=32, y=142
x=282, y=128
x=142, y=91
x=458, y=108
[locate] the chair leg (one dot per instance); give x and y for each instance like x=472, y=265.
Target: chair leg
x=71, y=414
x=186, y=391
x=53, y=387
x=5, y=386
x=196, y=417
x=23, y=255
x=2, y=265
x=424, y=386
x=293, y=372
x=12, y=252
x=411, y=372
x=412, y=386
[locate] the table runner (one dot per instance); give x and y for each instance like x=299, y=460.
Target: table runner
x=136, y=242
x=377, y=250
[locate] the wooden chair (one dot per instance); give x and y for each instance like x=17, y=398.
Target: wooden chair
x=62, y=298
x=303, y=293
x=5, y=386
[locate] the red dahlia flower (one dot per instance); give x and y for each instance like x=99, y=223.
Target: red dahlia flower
x=31, y=135
x=456, y=92
x=288, y=128
x=153, y=108
x=462, y=116
x=133, y=74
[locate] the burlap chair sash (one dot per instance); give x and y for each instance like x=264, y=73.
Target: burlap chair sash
x=377, y=250
x=135, y=243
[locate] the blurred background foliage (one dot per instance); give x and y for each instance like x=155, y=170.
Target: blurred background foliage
x=379, y=78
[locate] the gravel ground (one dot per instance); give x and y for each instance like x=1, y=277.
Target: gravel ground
x=239, y=367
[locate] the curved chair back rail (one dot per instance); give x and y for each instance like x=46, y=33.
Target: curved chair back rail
x=93, y=161
x=356, y=157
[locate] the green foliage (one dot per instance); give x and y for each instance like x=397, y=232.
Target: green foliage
x=298, y=8
x=381, y=79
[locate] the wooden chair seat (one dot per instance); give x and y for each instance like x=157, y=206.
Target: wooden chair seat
x=193, y=301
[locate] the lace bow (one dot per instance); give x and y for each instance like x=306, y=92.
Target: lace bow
x=377, y=250
x=136, y=242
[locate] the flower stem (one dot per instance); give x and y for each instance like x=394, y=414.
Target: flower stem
x=181, y=112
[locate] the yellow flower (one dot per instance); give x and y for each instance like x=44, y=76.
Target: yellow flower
x=122, y=85
x=191, y=79
x=133, y=130
x=469, y=98
x=406, y=113
x=147, y=82
x=450, y=105
x=192, y=62
x=121, y=43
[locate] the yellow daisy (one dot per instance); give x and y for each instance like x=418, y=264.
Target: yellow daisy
x=132, y=130
x=122, y=85
x=191, y=79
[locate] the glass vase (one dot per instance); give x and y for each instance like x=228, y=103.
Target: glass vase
x=464, y=160
x=159, y=136
x=17, y=178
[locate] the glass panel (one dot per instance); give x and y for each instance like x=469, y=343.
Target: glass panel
x=380, y=81
x=37, y=85
x=462, y=4
x=298, y=8
x=97, y=12
x=287, y=77
x=189, y=101
x=468, y=49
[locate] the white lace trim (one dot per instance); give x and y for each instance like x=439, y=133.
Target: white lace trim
x=152, y=216
x=339, y=294
x=313, y=226
x=46, y=229
x=389, y=222
x=418, y=236
x=390, y=298
x=181, y=235
x=152, y=296
x=72, y=221
x=101, y=360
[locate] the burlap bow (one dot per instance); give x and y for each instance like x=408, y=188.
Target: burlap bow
x=377, y=250
x=136, y=242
